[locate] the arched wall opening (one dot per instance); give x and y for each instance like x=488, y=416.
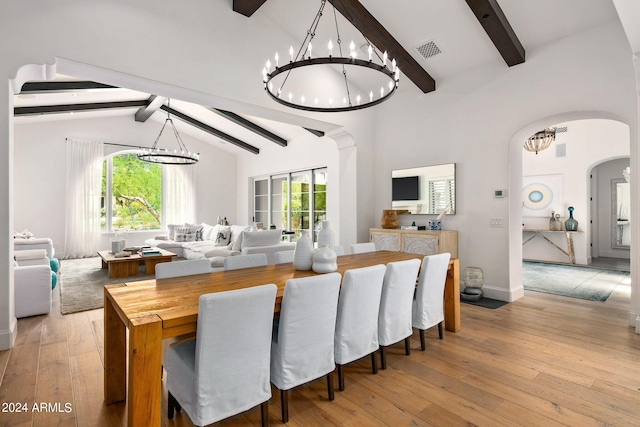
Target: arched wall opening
x=516, y=203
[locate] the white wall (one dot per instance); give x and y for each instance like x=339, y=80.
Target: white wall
x=587, y=143
x=40, y=173
x=471, y=119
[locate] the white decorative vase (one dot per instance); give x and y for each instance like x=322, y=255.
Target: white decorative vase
x=324, y=260
x=326, y=236
x=303, y=253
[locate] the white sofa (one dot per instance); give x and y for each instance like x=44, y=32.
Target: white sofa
x=32, y=283
x=22, y=244
x=241, y=240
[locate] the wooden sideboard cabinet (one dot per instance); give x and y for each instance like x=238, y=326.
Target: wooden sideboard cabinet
x=426, y=242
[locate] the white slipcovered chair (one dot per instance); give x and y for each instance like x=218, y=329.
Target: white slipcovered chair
x=357, y=321
x=428, y=305
x=166, y=270
x=339, y=250
x=394, y=320
x=302, y=346
x=244, y=261
x=32, y=283
x=284, y=257
x=225, y=370
x=359, y=248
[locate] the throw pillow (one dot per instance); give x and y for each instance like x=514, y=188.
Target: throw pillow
x=184, y=234
x=261, y=238
x=221, y=235
x=206, y=231
x=172, y=230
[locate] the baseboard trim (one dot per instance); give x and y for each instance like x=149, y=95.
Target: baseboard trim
x=501, y=294
x=8, y=336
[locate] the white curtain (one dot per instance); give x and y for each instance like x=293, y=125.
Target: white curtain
x=84, y=187
x=178, y=194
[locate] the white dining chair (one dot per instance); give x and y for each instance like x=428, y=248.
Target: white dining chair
x=359, y=248
x=302, y=346
x=428, y=305
x=166, y=270
x=339, y=250
x=225, y=370
x=357, y=321
x=394, y=320
x=244, y=261
x=282, y=257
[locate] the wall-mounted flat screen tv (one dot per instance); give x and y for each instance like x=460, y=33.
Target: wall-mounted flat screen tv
x=405, y=188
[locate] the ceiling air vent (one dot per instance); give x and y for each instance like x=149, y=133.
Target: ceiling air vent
x=428, y=49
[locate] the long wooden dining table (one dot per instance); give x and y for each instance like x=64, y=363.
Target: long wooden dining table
x=155, y=309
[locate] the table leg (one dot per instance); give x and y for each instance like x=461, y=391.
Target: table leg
x=452, y=297
x=145, y=362
x=571, y=253
x=150, y=264
x=115, y=354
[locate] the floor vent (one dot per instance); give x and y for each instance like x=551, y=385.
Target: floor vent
x=428, y=49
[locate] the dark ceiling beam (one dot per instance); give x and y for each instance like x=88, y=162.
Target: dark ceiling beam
x=68, y=108
x=241, y=121
x=317, y=133
x=154, y=104
x=247, y=7
x=211, y=130
x=64, y=86
x=499, y=30
x=373, y=30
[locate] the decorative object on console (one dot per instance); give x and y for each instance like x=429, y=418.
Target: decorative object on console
x=556, y=225
x=326, y=236
x=435, y=225
x=540, y=140
x=389, y=219
x=571, y=224
x=181, y=156
x=473, y=281
x=324, y=260
x=294, y=72
x=303, y=253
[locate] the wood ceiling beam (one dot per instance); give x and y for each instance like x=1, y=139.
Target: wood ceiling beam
x=241, y=121
x=373, y=30
x=497, y=27
x=211, y=130
x=247, y=7
x=63, y=86
x=154, y=104
x=67, y=108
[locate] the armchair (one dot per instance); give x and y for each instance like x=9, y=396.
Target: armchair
x=32, y=283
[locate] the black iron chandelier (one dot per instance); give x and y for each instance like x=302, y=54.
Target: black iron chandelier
x=179, y=156
x=320, y=99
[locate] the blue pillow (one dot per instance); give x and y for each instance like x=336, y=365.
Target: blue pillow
x=54, y=264
x=54, y=279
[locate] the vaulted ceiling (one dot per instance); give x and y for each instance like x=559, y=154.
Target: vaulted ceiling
x=431, y=40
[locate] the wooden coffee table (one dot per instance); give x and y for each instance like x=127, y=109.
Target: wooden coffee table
x=128, y=266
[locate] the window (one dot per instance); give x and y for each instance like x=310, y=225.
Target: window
x=294, y=201
x=131, y=194
x=441, y=195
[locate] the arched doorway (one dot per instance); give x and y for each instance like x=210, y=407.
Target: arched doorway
x=515, y=191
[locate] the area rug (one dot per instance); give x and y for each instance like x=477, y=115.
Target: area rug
x=573, y=281
x=82, y=282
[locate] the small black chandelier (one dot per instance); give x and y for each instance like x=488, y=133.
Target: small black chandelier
x=385, y=68
x=180, y=156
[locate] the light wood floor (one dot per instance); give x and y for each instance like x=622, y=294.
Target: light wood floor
x=544, y=360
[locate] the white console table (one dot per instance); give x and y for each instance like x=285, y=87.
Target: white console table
x=569, y=234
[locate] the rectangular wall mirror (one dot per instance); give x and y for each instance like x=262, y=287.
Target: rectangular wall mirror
x=424, y=190
x=620, y=207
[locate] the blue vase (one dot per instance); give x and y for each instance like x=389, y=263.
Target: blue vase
x=571, y=224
